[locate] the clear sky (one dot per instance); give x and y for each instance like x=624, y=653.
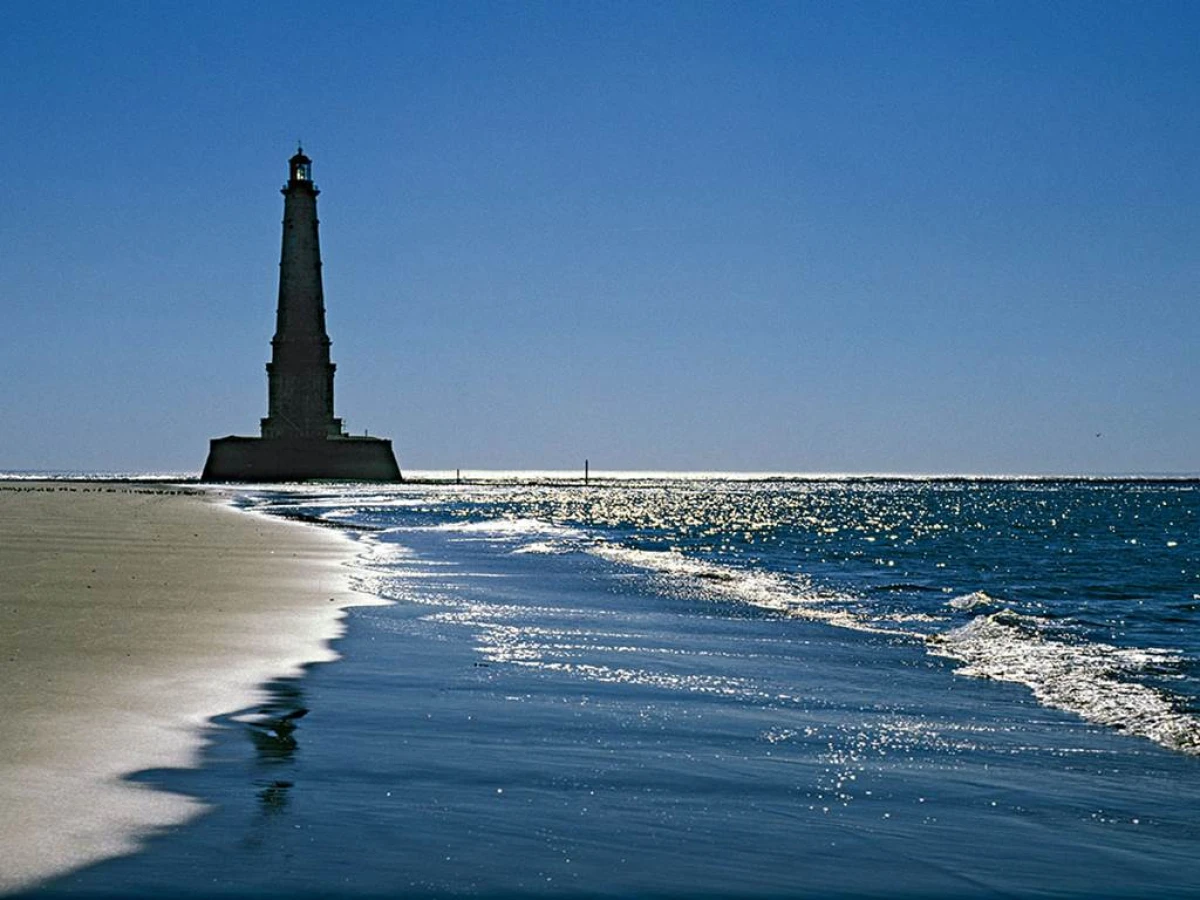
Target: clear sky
x=899, y=237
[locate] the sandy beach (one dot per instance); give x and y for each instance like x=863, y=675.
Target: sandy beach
x=130, y=614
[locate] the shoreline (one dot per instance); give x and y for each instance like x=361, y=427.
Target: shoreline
x=133, y=614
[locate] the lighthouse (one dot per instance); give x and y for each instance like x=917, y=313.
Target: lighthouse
x=301, y=438
x=300, y=375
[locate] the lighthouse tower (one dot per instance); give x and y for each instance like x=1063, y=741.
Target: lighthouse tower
x=301, y=437
x=300, y=375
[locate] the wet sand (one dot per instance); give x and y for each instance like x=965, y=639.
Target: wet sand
x=129, y=615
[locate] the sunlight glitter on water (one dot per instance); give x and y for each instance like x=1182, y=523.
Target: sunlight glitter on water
x=1026, y=581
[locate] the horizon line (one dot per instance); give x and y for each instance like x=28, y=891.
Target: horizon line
x=577, y=475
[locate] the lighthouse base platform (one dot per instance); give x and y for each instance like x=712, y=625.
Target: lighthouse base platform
x=335, y=458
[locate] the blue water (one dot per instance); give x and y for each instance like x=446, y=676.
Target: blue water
x=676, y=687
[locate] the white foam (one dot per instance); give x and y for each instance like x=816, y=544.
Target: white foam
x=507, y=528
x=973, y=600
x=791, y=594
x=547, y=548
x=1089, y=679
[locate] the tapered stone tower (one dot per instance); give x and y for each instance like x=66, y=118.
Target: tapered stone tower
x=301, y=437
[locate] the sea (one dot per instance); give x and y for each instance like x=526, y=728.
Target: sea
x=718, y=686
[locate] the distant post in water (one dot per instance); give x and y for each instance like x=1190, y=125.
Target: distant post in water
x=301, y=437
x=585, y=471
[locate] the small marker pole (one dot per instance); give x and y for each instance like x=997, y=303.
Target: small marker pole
x=458, y=476
x=585, y=471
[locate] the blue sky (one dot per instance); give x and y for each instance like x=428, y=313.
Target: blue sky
x=900, y=237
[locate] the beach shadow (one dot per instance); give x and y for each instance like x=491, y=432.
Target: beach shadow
x=245, y=777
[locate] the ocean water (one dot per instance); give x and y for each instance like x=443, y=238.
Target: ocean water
x=719, y=687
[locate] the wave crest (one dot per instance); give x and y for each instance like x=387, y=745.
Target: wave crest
x=973, y=600
x=1088, y=679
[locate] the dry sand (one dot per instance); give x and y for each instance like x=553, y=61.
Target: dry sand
x=130, y=614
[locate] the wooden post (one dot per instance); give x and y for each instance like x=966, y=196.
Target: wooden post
x=585, y=471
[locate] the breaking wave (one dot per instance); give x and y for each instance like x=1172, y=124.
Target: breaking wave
x=1092, y=680
x=507, y=529
x=973, y=600
x=793, y=595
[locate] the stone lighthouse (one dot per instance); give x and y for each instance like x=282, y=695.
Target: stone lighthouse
x=301, y=437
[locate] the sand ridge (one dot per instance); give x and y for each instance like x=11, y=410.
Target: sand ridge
x=129, y=615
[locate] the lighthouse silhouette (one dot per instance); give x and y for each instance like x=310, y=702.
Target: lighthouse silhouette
x=301, y=438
